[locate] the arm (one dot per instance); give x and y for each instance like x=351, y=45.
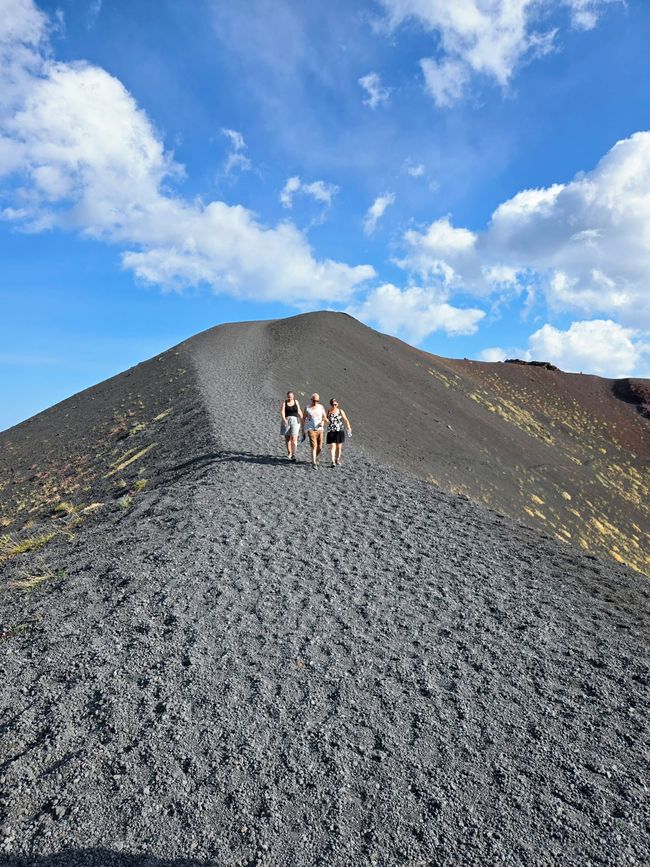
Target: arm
x=347, y=423
x=299, y=411
x=282, y=415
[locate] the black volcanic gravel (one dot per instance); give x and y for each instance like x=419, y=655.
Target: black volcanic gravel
x=263, y=664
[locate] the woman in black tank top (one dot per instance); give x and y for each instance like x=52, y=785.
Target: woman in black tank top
x=291, y=416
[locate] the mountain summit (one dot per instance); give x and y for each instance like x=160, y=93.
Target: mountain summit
x=212, y=656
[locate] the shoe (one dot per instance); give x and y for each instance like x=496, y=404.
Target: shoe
x=293, y=459
x=333, y=464
x=315, y=466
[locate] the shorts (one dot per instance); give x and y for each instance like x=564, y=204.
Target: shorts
x=335, y=436
x=291, y=428
x=316, y=439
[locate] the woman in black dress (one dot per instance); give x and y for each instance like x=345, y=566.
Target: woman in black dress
x=291, y=416
x=336, y=421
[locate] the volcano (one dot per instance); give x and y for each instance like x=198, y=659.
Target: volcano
x=435, y=653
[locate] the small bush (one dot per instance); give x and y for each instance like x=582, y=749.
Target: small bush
x=63, y=508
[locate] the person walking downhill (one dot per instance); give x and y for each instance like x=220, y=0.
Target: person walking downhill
x=336, y=419
x=313, y=422
x=291, y=416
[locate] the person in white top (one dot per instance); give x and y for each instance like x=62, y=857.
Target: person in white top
x=313, y=422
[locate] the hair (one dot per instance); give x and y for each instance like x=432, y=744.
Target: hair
x=332, y=399
x=290, y=392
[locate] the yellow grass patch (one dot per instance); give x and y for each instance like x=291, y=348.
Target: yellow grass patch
x=130, y=460
x=9, y=547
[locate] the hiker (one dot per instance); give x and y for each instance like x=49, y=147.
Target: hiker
x=336, y=419
x=313, y=422
x=291, y=416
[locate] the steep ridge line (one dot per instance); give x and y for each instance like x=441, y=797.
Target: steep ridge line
x=557, y=451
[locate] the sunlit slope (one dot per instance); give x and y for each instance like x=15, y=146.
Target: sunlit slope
x=578, y=465
x=94, y=453
x=555, y=450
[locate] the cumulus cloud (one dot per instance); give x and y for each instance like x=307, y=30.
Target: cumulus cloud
x=76, y=152
x=490, y=39
x=598, y=346
x=414, y=312
x=583, y=245
x=321, y=191
x=236, y=159
x=376, y=211
x=377, y=93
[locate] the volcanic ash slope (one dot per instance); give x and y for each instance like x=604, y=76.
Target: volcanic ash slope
x=258, y=663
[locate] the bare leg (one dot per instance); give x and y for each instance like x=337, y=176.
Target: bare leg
x=287, y=441
x=339, y=447
x=294, y=445
x=332, y=453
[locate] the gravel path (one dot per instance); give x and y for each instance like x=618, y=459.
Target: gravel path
x=261, y=664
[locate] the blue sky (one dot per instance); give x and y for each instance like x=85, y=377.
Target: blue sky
x=471, y=177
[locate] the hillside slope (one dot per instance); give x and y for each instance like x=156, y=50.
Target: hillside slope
x=558, y=451
x=566, y=453
x=254, y=663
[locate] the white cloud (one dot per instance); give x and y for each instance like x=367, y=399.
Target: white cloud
x=94, y=8
x=76, y=152
x=486, y=38
x=585, y=245
x=444, y=81
x=21, y=23
x=442, y=254
x=585, y=13
x=236, y=159
x=494, y=353
x=376, y=211
x=597, y=346
x=321, y=191
x=377, y=94
x=415, y=170
x=414, y=313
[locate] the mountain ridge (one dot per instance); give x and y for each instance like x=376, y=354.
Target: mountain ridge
x=234, y=659
x=561, y=452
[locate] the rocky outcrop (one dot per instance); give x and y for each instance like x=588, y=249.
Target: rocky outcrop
x=636, y=391
x=545, y=364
